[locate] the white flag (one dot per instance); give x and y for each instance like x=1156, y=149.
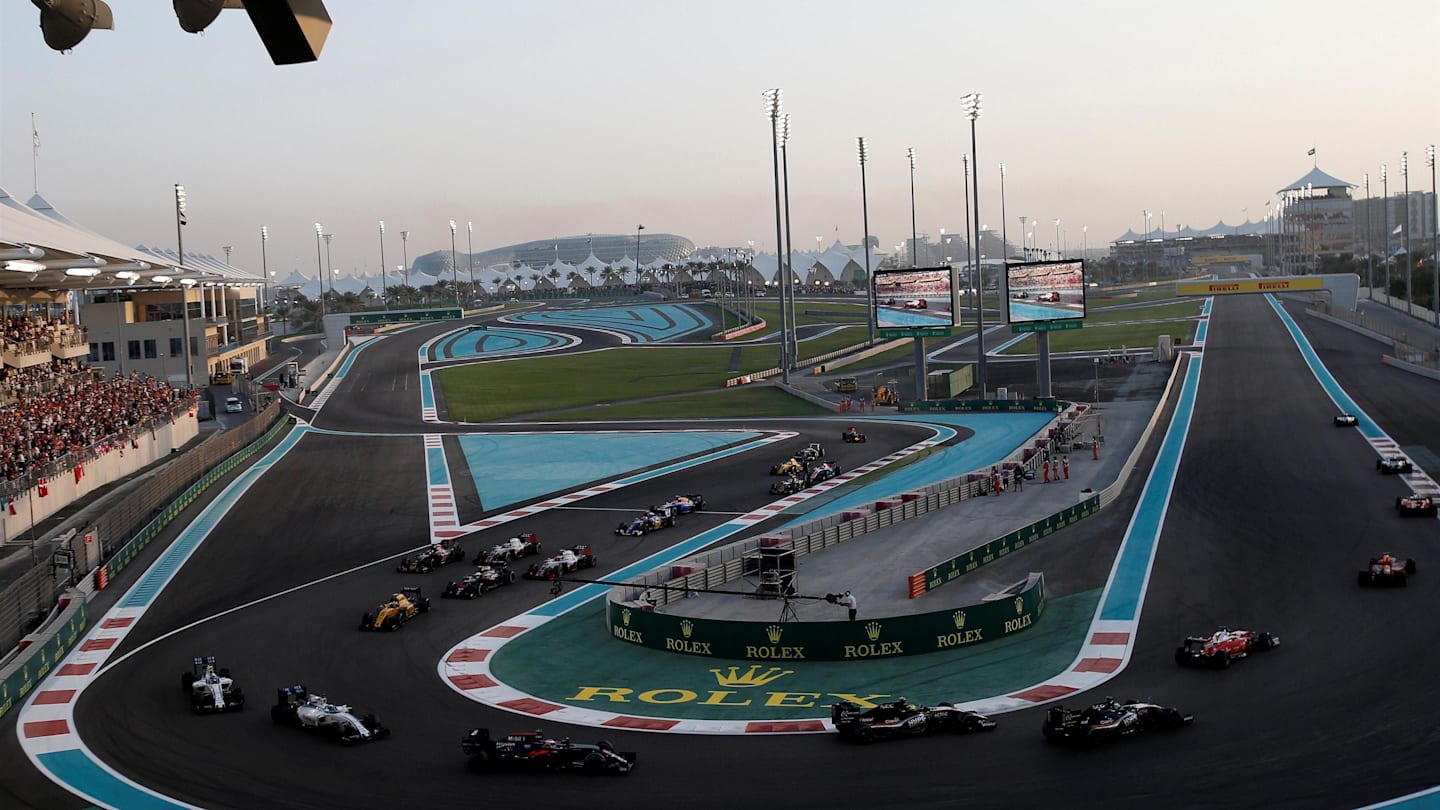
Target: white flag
x=1398, y=229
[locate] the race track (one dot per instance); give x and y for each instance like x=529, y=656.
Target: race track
x=1272, y=512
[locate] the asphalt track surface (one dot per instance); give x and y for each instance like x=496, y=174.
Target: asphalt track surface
x=1273, y=511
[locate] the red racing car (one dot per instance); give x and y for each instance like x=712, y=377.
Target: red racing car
x=1415, y=506
x=1221, y=647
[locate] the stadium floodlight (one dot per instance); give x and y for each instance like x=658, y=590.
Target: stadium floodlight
x=64, y=23
x=454, y=270
x=914, y=233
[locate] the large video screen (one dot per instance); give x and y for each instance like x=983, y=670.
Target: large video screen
x=1045, y=291
x=914, y=302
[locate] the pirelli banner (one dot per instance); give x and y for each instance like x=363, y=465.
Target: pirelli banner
x=860, y=640
x=925, y=581
x=1249, y=286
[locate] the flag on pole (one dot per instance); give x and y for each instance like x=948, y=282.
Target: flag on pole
x=1398, y=229
x=34, y=135
x=1311, y=152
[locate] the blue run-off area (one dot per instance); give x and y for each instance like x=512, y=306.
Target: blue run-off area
x=1020, y=312
x=510, y=468
x=498, y=341
x=655, y=323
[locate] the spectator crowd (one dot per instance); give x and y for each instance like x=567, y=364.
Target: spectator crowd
x=64, y=406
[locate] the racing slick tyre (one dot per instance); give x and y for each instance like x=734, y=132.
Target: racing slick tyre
x=1222, y=660
x=424, y=605
x=863, y=735
x=392, y=624
x=237, y=699
x=1181, y=658
x=473, y=594
x=510, y=577
x=593, y=764
x=479, y=762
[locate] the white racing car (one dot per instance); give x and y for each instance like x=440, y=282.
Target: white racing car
x=295, y=706
x=211, y=690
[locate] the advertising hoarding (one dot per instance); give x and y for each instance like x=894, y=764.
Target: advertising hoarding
x=1045, y=291
x=914, y=302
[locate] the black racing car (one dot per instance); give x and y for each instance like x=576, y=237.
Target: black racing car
x=1109, y=719
x=1346, y=420
x=1415, y=506
x=1387, y=570
x=788, y=485
x=681, y=505
x=901, y=718
x=521, y=545
x=485, y=578
x=532, y=751
x=1394, y=465
x=852, y=436
x=438, y=554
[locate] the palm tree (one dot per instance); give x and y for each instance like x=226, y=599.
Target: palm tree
x=554, y=275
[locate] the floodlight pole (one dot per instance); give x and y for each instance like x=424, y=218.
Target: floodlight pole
x=180, y=222
x=384, y=288
x=1369, y=237
x=865, y=224
x=1385, y=192
x=1434, y=237
x=772, y=111
x=972, y=103
x=794, y=340
x=1405, y=173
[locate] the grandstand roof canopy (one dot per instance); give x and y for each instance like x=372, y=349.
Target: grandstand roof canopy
x=1317, y=179
x=42, y=249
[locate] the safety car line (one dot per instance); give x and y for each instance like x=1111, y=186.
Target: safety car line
x=46, y=725
x=1419, y=482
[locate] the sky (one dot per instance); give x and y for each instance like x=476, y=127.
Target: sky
x=542, y=119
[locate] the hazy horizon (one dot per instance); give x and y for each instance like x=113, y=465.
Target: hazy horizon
x=542, y=120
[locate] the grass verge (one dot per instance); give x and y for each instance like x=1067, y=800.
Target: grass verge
x=729, y=403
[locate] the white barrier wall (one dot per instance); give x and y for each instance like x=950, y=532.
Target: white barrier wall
x=30, y=507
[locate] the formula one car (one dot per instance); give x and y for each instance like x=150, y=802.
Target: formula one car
x=211, y=690
x=1387, y=570
x=810, y=452
x=823, y=471
x=568, y=561
x=789, y=485
x=485, y=578
x=901, y=718
x=438, y=554
x=1346, y=420
x=532, y=751
x=295, y=706
x=1109, y=719
x=1020, y=295
x=681, y=505
x=648, y=522
x=521, y=545
x=1415, y=506
x=791, y=466
x=401, y=608
x=1048, y=297
x=852, y=435
x=916, y=303
x=1394, y=465
x=1221, y=647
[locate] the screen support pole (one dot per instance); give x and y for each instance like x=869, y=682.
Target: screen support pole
x=1042, y=339
x=919, y=369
